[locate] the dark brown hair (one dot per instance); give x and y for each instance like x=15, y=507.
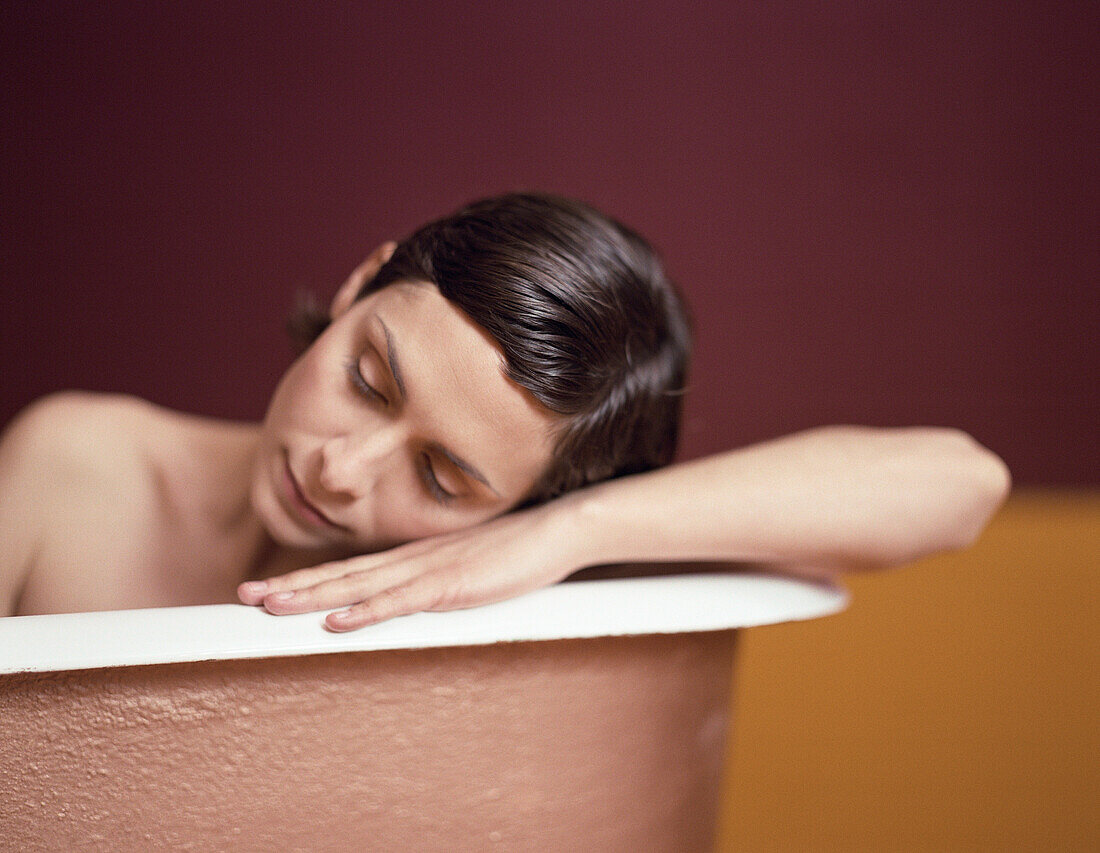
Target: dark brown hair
x=588, y=322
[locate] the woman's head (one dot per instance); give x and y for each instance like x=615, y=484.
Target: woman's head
x=587, y=320
x=525, y=346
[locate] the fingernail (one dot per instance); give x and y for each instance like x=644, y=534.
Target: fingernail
x=342, y=616
x=256, y=587
x=283, y=596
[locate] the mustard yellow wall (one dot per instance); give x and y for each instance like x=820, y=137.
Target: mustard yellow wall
x=954, y=706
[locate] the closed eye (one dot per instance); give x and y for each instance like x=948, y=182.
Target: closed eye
x=361, y=384
x=431, y=482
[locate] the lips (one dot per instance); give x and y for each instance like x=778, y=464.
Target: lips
x=301, y=505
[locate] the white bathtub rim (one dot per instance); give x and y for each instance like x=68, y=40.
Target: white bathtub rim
x=596, y=608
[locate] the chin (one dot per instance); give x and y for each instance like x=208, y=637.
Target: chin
x=267, y=510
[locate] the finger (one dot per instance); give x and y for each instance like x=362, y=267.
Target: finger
x=336, y=592
x=254, y=592
x=419, y=594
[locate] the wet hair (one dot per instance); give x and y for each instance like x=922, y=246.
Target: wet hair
x=588, y=322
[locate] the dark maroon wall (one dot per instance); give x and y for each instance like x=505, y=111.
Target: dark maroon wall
x=882, y=213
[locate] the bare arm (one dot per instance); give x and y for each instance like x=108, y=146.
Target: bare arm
x=834, y=498
x=813, y=503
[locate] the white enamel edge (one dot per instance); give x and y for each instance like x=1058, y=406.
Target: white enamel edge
x=596, y=608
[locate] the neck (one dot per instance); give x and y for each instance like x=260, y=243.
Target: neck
x=260, y=555
x=228, y=509
x=228, y=514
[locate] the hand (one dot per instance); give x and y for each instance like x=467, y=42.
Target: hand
x=500, y=559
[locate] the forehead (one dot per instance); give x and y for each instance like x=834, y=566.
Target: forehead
x=458, y=393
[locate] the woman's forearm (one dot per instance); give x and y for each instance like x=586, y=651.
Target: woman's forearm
x=832, y=498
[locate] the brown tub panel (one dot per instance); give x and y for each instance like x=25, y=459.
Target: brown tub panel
x=608, y=744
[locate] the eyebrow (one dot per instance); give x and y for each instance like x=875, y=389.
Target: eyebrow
x=395, y=368
x=391, y=357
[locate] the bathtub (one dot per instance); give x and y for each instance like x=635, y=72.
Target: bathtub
x=590, y=715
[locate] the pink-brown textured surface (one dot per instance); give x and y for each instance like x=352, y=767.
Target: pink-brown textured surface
x=607, y=744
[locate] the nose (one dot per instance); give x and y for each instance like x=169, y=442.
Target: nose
x=351, y=462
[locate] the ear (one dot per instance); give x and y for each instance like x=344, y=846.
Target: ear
x=363, y=273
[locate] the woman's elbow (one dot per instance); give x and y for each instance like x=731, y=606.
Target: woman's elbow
x=983, y=483
x=962, y=485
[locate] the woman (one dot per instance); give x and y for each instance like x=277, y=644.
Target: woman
x=490, y=405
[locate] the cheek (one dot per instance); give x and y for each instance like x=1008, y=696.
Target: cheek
x=400, y=514
x=397, y=512
x=303, y=391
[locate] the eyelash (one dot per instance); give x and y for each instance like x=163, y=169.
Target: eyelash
x=427, y=475
x=364, y=387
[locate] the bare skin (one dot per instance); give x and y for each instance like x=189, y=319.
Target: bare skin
x=108, y=503
x=388, y=492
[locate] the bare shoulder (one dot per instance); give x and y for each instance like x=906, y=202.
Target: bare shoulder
x=59, y=443
x=64, y=460
x=68, y=445
x=74, y=428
